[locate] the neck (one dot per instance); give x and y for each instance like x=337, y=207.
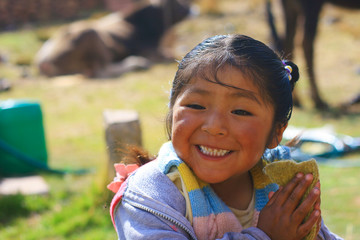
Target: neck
x=236, y=191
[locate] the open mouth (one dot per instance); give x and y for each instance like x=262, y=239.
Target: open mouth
x=213, y=152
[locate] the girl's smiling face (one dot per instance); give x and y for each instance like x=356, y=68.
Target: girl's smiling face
x=219, y=131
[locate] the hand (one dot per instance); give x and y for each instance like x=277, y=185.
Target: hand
x=317, y=207
x=283, y=216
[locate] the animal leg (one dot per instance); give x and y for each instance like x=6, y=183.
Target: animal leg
x=312, y=11
x=291, y=13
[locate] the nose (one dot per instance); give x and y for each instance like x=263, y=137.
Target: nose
x=215, y=124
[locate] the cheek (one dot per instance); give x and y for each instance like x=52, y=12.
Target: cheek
x=177, y=124
x=181, y=128
x=177, y=129
x=254, y=137
x=182, y=120
x=180, y=138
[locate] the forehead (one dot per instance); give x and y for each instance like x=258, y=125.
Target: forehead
x=232, y=76
x=238, y=83
x=227, y=76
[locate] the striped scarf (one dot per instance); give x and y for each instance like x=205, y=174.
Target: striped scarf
x=211, y=217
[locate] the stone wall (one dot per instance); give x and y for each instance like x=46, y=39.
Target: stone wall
x=15, y=13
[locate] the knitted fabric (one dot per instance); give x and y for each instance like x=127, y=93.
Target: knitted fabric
x=211, y=217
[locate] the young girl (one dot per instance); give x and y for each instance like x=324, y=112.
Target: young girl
x=230, y=102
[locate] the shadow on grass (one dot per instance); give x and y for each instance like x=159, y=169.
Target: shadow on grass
x=340, y=111
x=12, y=207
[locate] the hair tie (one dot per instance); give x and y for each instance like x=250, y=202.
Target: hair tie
x=288, y=69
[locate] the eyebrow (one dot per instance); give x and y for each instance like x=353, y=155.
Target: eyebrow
x=246, y=93
x=240, y=92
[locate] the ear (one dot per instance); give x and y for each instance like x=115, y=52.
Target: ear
x=277, y=136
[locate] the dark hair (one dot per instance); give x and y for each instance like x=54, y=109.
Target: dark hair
x=251, y=57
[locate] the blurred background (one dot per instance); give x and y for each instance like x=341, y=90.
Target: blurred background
x=72, y=100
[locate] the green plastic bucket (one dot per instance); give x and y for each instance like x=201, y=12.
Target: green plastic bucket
x=21, y=128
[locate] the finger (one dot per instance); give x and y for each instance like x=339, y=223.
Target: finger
x=289, y=188
x=273, y=196
x=317, y=205
x=298, y=193
x=306, y=206
x=318, y=223
x=318, y=202
x=313, y=219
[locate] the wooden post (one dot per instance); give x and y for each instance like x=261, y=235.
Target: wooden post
x=122, y=129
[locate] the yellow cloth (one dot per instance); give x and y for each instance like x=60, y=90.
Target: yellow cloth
x=175, y=177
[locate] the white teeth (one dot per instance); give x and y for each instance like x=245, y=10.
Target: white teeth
x=213, y=152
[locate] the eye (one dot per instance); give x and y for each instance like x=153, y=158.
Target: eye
x=195, y=106
x=241, y=112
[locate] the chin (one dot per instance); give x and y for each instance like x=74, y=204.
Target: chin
x=211, y=180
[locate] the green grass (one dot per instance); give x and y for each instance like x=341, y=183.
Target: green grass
x=19, y=46
x=340, y=200
x=77, y=206
x=60, y=215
